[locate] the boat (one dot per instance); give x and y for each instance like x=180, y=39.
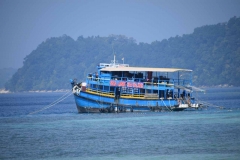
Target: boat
x=117, y=87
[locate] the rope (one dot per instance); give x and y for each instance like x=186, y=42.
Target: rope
x=53, y=103
x=60, y=98
x=101, y=106
x=170, y=104
x=209, y=104
x=166, y=106
x=99, y=103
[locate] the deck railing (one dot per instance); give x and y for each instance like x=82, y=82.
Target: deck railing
x=147, y=84
x=101, y=93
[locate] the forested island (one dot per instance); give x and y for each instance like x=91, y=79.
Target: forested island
x=6, y=74
x=211, y=51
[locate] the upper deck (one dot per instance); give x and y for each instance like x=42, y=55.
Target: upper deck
x=138, y=81
x=144, y=69
x=112, y=65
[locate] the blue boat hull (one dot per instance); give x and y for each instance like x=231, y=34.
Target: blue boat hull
x=91, y=103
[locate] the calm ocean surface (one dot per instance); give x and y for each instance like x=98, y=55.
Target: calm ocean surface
x=60, y=132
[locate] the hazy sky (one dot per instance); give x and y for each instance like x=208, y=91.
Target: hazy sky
x=24, y=24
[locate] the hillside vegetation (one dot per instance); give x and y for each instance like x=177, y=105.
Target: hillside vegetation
x=6, y=74
x=211, y=51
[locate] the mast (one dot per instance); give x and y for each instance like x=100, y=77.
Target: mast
x=114, y=60
x=178, y=85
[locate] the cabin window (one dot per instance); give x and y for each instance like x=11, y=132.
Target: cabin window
x=155, y=91
x=106, y=88
x=124, y=89
x=100, y=87
x=129, y=90
x=142, y=90
x=135, y=90
x=169, y=93
x=161, y=94
x=148, y=91
x=111, y=89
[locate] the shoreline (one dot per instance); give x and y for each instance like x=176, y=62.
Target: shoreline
x=3, y=91
x=218, y=86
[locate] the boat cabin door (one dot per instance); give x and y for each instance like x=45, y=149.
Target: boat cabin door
x=117, y=93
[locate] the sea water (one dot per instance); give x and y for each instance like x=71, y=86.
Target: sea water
x=59, y=132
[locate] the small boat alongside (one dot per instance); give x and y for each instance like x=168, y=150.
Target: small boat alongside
x=118, y=87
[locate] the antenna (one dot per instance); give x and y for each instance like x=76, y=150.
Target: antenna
x=114, y=59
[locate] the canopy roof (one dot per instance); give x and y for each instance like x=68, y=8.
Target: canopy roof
x=142, y=69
